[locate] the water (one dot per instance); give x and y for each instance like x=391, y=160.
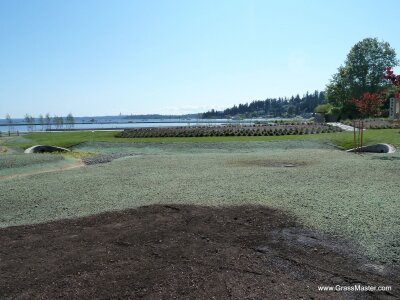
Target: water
x=110, y=123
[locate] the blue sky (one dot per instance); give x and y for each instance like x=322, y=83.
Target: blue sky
x=172, y=57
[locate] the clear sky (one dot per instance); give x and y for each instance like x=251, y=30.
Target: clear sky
x=173, y=57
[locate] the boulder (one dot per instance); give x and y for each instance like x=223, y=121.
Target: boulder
x=45, y=149
x=376, y=148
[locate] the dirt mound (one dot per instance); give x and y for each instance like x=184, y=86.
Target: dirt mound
x=182, y=252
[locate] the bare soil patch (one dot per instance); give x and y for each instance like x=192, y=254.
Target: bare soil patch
x=182, y=252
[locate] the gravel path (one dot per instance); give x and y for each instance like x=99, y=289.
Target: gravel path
x=341, y=125
x=103, y=158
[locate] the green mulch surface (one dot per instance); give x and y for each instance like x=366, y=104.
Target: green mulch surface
x=23, y=160
x=15, y=164
x=350, y=195
x=188, y=147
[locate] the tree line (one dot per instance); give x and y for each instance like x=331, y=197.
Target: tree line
x=362, y=87
x=272, y=107
x=44, y=121
x=364, y=84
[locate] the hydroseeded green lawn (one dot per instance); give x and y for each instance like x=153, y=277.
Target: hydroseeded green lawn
x=20, y=164
x=354, y=196
x=69, y=139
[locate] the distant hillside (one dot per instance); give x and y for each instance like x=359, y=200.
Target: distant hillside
x=158, y=116
x=272, y=107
